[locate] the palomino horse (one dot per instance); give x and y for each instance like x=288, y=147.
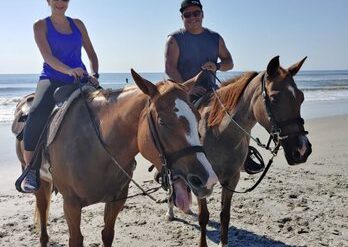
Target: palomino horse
x=270, y=98
x=84, y=172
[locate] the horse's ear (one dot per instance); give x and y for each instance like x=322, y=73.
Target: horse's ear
x=273, y=66
x=189, y=84
x=296, y=67
x=146, y=86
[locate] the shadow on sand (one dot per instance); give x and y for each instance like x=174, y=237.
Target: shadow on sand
x=237, y=237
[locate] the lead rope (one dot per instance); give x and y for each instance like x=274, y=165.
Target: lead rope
x=90, y=114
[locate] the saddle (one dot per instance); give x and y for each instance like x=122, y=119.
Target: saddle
x=63, y=96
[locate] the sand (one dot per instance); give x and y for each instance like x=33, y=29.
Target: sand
x=305, y=205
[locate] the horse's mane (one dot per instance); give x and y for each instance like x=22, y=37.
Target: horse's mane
x=168, y=85
x=106, y=94
x=229, y=94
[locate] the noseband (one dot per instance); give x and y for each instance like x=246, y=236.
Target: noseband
x=167, y=160
x=277, y=133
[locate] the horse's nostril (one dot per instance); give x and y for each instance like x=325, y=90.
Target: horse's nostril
x=195, y=181
x=297, y=155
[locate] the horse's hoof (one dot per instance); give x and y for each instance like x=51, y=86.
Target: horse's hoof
x=189, y=212
x=169, y=217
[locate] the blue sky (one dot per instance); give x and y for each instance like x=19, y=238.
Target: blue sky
x=132, y=34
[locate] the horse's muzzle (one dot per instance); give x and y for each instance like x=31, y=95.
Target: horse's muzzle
x=199, y=187
x=297, y=149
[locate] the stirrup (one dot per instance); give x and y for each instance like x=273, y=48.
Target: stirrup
x=256, y=159
x=19, y=181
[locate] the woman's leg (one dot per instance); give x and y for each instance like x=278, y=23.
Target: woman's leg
x=40, y=111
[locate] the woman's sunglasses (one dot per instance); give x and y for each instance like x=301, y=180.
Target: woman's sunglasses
x=196, y=13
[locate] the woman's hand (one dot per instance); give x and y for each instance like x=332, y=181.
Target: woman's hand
x=94, y=81
x=77, y=73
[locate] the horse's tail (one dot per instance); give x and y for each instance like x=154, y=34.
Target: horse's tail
x=43, y=202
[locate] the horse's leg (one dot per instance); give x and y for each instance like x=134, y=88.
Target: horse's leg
x=203, y=218
x=226, y=198
x=170, y=213
x=72, y=214
x=111, y=211
x=43, y=199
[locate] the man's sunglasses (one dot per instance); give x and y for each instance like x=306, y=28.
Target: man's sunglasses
x=196, y=13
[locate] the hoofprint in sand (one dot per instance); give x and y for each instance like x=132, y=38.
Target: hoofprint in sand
x=304, y=205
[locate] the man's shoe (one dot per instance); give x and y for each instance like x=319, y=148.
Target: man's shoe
x=250, y=166
x=30, y=182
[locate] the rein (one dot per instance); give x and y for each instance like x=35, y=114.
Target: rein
x=95, y=127
x=276, y=132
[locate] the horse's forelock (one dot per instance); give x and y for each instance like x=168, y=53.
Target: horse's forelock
x=166, y=87
x=229, y=94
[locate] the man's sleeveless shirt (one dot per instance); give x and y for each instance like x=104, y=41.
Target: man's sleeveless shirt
x=196, y=50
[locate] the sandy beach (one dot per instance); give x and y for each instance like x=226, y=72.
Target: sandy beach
x=305, y=205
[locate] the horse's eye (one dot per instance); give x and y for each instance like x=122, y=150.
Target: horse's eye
x=274, y=100
x=161, y=122
x=175, y=109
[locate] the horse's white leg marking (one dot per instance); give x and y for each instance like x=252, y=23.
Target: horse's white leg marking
x=170, y=213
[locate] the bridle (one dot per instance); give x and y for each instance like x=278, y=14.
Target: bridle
x=277, y=133
x=167, y=159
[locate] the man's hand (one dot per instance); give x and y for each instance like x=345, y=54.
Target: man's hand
x=198, y=91
x=209, y=66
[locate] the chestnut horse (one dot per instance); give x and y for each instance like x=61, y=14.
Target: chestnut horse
x=85, y=173
x=270, y=98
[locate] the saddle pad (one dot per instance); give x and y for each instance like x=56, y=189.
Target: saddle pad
x=59, y=113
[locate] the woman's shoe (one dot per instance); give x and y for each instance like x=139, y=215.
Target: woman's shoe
x=30, y=182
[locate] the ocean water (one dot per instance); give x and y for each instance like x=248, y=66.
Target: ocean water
x=324, y=90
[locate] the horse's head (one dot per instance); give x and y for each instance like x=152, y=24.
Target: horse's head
x=281, y=112
x=169, y=126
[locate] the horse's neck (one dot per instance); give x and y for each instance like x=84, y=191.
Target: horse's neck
x=244, y=111
x=118, y=117
x=242, y=114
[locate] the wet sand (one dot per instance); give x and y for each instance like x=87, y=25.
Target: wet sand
x=305, y=205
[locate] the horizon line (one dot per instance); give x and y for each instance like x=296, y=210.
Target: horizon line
x=147, y=72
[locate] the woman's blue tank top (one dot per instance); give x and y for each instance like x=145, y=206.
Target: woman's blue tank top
x=66, y=48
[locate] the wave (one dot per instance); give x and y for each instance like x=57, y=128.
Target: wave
x=328, y=88
x=9, y=101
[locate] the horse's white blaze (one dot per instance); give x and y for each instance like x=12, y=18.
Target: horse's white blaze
x=303, y=149
x=292, y=90
x=185, y=111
